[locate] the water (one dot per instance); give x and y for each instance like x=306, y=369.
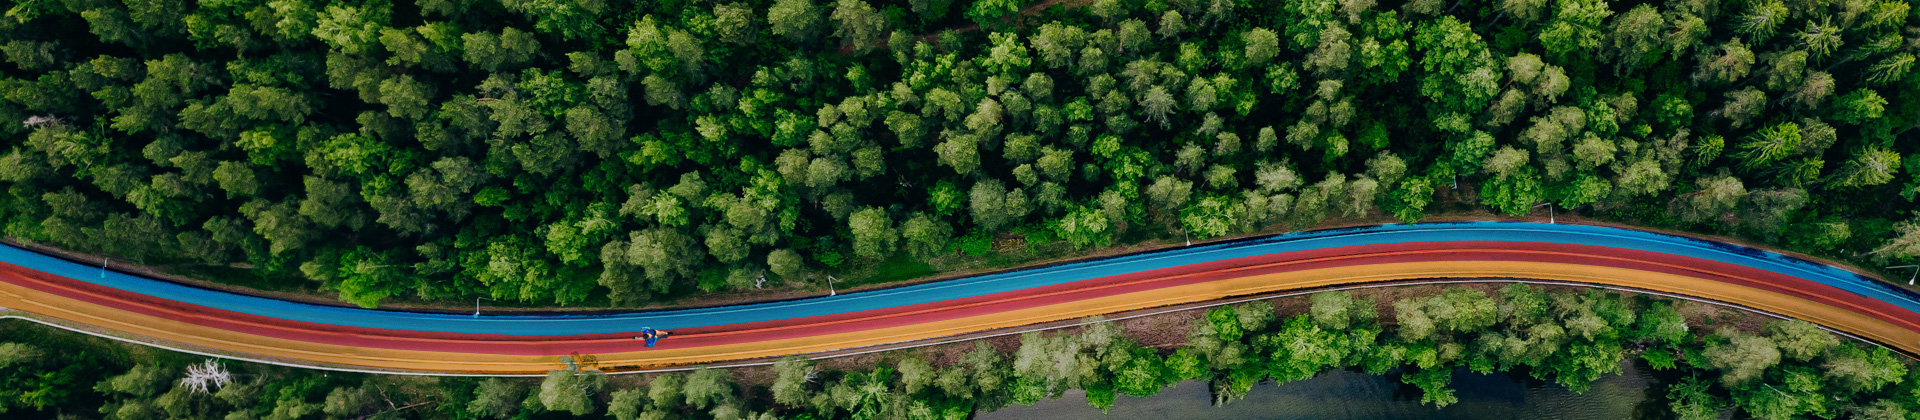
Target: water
x=1353, y=396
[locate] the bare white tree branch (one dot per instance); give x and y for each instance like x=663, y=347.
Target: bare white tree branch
x=206, y=377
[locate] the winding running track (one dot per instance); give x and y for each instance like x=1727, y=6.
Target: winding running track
x=521, y=344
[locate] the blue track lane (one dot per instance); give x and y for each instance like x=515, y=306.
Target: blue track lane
x=559, y=325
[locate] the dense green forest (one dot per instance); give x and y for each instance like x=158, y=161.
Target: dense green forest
x=1707, y=366
x=558, y=151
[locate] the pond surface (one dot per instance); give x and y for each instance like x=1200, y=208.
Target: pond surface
x=1352, y=395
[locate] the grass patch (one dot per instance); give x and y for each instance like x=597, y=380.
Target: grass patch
x=898, y=268
x=243, y=277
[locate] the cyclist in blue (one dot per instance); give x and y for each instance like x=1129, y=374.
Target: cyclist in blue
x=651, y=335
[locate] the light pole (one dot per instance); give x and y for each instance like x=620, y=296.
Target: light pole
x=830, y=291
x=1549, y=205
x=103, y=267
x=476, y=306
x=1916, y=272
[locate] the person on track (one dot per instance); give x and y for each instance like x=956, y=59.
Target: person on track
x=651, y=335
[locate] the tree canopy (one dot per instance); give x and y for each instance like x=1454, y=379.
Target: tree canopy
x=629, y=151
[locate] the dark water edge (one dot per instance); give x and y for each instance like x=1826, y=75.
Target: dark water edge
x=1348, y=395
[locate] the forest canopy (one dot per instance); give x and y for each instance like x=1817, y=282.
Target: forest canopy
x=550, y=151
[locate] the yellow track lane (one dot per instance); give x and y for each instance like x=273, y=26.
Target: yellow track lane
x=13, y=296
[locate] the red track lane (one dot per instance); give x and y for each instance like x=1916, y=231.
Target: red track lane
x=1707, y=270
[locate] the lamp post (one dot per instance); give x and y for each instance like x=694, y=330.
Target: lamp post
x=476, y=306
x=1916, y=272
x=1549, y=205
x=830, y=291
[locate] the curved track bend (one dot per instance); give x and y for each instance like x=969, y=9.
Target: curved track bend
x=521, y=344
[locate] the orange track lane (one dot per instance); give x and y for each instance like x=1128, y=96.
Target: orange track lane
x=1847, y=320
